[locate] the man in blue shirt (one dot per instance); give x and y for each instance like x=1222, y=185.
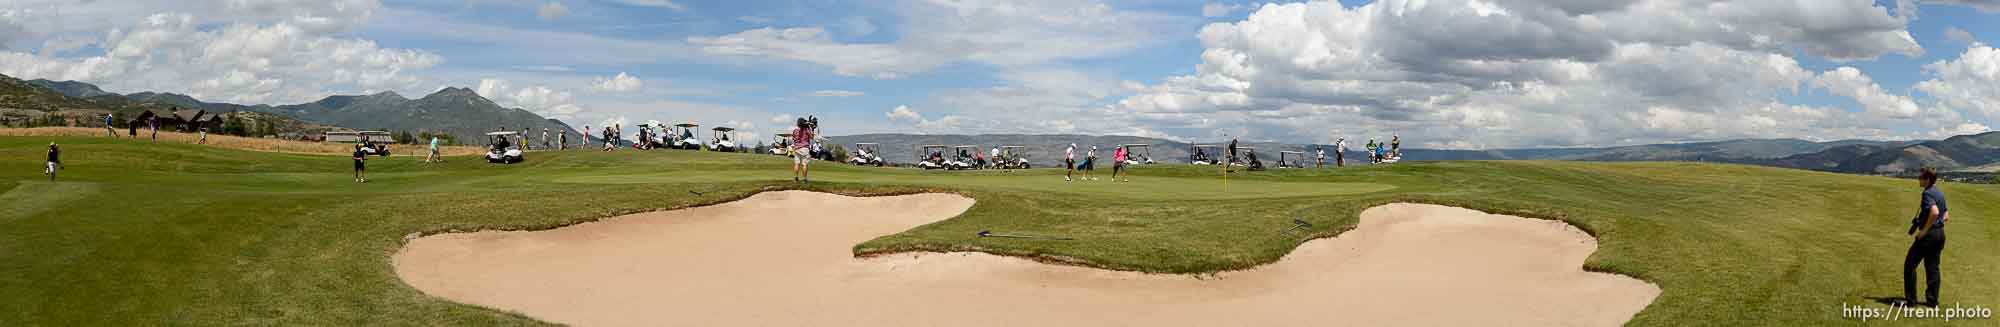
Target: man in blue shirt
x=1928, y=226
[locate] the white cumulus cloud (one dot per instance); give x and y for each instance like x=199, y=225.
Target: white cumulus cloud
x=620, y=83
x=288, y=61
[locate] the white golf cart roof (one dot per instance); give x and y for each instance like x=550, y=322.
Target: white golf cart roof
x=1136, y=145
x=724, y=129
x=1208, y=145
x=965, y=146
x=861, y=144
x=501, y=133
x=1292, y=152
x=784, y=135
x=687, y=125
x=1013, y=147
x=936, y=146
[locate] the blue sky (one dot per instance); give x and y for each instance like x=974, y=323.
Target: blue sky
x=1445, y=73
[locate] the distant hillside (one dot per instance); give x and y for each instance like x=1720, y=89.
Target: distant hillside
x=1963, y=152
x=456, y=111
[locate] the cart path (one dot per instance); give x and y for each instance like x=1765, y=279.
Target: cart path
x=784, y=258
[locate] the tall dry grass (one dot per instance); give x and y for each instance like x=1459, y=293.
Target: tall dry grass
x=237, y=142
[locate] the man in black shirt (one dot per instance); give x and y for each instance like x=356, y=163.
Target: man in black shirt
x=54, y=162
x=360, y=159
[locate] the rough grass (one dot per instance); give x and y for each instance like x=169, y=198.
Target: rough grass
x=166, y=233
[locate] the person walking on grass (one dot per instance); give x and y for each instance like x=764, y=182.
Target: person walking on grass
x=204, y=136
x=585, y=133
x=801, y=150
x=154, y=124
x=1928, y=226
x=1118, y=158
x=434, y=157
x=545, y=138
x=562, y=139
x=360, y=161
x=55, y=162
x=1069, y=161
x=108, y=129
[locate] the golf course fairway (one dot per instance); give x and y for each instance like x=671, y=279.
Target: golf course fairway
x=156, y=233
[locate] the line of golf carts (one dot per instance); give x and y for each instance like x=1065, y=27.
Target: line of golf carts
x=681, y=137
x=1215, y=154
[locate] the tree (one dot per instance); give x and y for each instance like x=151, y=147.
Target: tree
x=234, y=125
x=118, y=119
x=839, y=153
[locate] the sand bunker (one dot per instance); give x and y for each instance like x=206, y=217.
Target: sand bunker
x=784, y=258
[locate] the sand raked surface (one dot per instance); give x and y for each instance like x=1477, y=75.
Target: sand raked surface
x=784, y=258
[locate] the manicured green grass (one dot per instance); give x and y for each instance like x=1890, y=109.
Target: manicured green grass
x=140, y=233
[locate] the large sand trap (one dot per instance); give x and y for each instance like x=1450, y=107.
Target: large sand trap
x=785, y=258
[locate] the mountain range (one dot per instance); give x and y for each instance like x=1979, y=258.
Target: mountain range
x=457, y=111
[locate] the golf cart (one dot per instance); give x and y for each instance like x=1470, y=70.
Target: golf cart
x=503, y=151
x=965, y=157
x=1297, y=159
x=1248, y=158
x=644, y=138
x=368, y=140
x=1205, y=154
x=1012, y=157
x=682, y=137
x=931, y=157
x=723, y=140
x=865, y=154
x=1138, y=154
x=782, y=144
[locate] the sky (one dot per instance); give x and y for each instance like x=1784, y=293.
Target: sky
x=1457, y=74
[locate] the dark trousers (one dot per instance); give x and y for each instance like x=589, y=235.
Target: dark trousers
x=1925, y=250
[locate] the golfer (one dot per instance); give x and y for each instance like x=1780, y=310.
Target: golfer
x=204, y=136
x=1321, y=152
x=1089, y=163
x=434, y=157
x=107, y=127
x=1069, y=161
x=608, y=142
x=1340, y=153
x=1118, y=158
x=1396, y=145
x=545, y=138
x=55, y=162
x=585, y=133
x=154, y=123
x=1232, y=152
x=1928, y=226
x=801, y=151
x=359, y=164
x=562, y=140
